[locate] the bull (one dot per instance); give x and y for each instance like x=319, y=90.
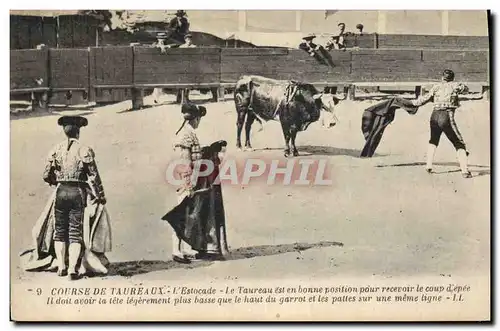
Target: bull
x=296, y=104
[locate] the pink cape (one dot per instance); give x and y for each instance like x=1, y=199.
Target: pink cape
x=97, y=240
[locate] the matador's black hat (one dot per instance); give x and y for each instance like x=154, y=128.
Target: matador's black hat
x=190, y=111
x=78, y=121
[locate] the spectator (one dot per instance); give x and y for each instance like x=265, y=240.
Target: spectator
x=337, y=41
x=309, y=46
x=360, y=28
x=179, y=26
x=160, y=41
x=188, y=41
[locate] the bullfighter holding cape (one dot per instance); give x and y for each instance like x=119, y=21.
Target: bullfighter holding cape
x=73, y=231
x=198, y=219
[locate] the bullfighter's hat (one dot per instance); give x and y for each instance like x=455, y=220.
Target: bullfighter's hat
x=310, y=36
x=190, y=111
x=78, y=121
x=448, y=75
x=180, y=13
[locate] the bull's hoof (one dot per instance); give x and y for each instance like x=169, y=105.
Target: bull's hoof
x=295, y=153
x=287, y=153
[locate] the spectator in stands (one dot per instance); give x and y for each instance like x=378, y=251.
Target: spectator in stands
x=179, y=26
x=337, y=41
x=188, y=41
x=360, y=28
x=309, y=46
x=160, y=41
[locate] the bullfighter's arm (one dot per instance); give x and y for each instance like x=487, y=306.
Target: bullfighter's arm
x=461, y=88
x=49, y=175
x=95, y=182
x=423, y=99
x=185, y=170
x=187, y=153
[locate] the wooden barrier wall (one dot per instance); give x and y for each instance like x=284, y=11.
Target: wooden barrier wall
x=111, y=66
x=402, y=41
x=107, y=71
x=176, y=66
x=282, y=64
x=69, y=69
x=28, y=66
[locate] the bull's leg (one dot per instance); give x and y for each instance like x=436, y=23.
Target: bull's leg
x=248, y=128
x=239, y=127
x=286, y=133
x=293, y=135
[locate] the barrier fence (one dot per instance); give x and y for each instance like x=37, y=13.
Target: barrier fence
x=101, y=71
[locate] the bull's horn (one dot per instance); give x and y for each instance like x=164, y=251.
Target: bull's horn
x=317, y=96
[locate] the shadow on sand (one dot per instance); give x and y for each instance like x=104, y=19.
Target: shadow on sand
x=484, y=172
x=133, y=268
x=51, y=112
x=321, y=150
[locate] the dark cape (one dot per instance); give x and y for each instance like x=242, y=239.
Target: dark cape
x=200, y=220
x=377, y=117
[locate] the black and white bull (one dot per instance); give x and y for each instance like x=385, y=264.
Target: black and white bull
x=296, y=104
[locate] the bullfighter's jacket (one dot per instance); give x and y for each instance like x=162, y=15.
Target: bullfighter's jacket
x=444, y=95
x=71, y=161
x=191, y=152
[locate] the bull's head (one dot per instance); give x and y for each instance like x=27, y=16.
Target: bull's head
x=328, y=103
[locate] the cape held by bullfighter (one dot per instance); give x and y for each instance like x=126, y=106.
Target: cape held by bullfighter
x=377, y=117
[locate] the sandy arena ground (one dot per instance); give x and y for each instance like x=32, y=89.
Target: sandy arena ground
x=383, y=216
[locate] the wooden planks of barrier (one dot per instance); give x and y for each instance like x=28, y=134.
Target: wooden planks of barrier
x=284, y=64
x=69, y=69
x=468, y=65
x=69, y=75
x=111, y=73
x=29, y=70
x=433, y=42
x=387, y=65
x=176, y=66
x=118, y=73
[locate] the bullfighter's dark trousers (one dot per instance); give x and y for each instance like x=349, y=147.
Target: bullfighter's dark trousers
x=69, y=208
x=444, y=121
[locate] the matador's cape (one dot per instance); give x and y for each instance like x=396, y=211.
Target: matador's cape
x=97, y=240
x=376, y=119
